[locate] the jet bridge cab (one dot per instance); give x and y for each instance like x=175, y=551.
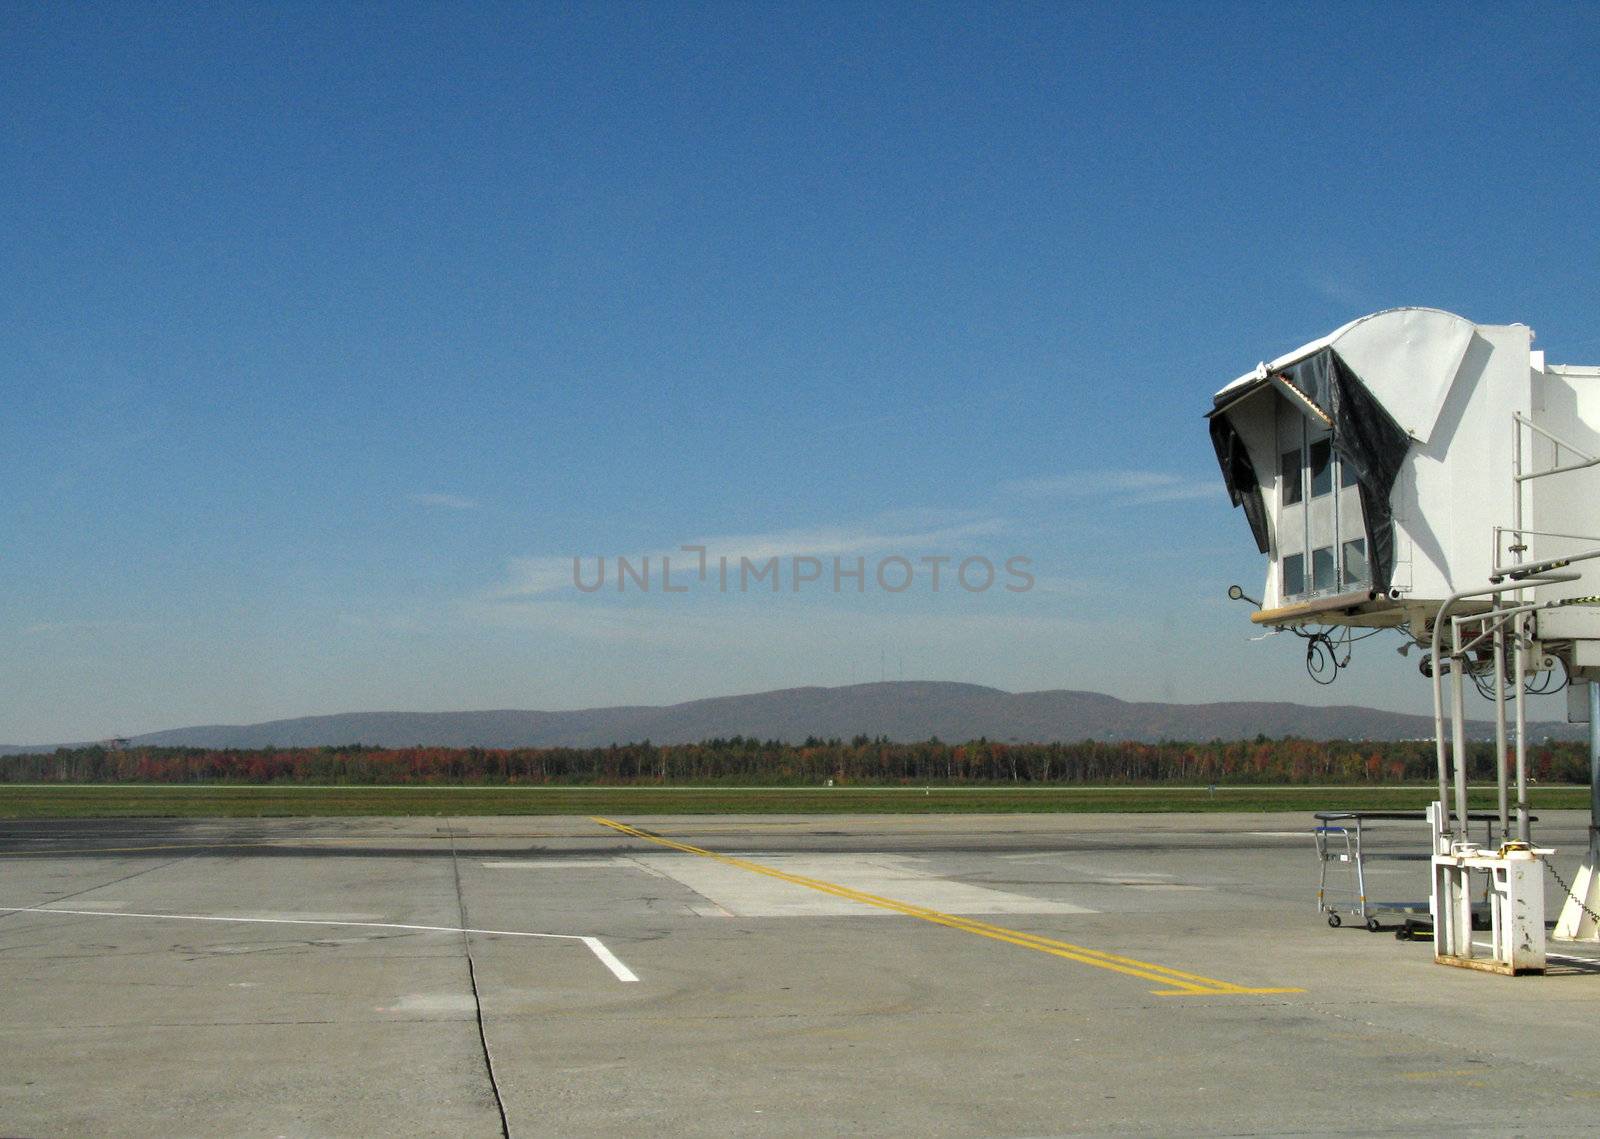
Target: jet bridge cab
x=1387, y=465
x=1415, y=470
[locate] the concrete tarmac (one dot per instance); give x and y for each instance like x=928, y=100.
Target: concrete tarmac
x=871, y=975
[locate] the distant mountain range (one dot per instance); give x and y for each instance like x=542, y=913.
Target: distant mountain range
x=900, y=710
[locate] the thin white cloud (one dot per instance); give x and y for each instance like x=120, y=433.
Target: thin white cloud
x=1342, y=289
x=658, y=627
x=543, y=574
x=1179, y=492
x=831, y=540
x=444, y=501
x=1129, y=488
x=529, y=577
x=1055, y=584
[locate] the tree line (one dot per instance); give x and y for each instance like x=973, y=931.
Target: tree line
x=739, y=760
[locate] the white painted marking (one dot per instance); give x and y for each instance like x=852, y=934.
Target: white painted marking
x=1553, y=956
x=1281, y=834
x=300, y=915
x=905, y=879
x=551, y=863
x=609, y=960
x=1580, y=960
x=593, y=944
x=102, y=905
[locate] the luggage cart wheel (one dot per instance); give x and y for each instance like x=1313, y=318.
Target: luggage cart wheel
x=1372, y=925
x=1405, y=932
x=1334, y=921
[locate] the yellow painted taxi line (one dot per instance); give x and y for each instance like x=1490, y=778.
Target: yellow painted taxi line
x=1179, y=983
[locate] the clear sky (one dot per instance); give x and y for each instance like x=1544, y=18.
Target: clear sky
x=331, y=333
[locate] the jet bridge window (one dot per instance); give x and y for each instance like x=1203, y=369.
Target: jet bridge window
x=1321, y=462
x=1322, y=575
x=1294, y=575
x=1321, y=536
x=1355, y=560
x=1289, y=466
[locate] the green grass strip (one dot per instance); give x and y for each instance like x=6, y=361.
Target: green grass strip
x=89, y=801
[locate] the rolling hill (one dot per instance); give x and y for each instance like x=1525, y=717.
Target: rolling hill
x=900, y=710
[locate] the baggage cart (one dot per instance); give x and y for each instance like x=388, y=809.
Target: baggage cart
x=1339, y=837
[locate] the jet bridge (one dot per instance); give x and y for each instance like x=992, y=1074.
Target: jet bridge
x=1415, y=471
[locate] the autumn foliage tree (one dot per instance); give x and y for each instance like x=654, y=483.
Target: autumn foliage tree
x=740, y=759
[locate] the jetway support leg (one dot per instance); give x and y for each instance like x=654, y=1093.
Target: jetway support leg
x=1516, y=910
x=1577, y=921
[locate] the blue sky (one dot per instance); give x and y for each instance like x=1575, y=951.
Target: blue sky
x=330, y=331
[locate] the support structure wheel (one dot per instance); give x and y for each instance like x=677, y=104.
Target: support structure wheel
x=1372, y=925
x=1335, y=921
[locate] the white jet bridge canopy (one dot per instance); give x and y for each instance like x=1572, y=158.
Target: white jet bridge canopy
x=1386, y=465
